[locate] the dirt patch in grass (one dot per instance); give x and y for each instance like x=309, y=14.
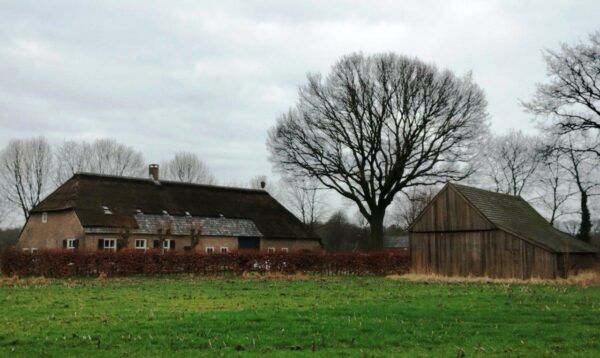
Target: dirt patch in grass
x=583, y=279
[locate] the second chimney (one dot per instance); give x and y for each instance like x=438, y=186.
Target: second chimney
x=153, y=171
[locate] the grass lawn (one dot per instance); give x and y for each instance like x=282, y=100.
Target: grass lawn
x=320, y=316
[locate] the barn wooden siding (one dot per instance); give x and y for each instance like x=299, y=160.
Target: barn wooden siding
x=491, y=253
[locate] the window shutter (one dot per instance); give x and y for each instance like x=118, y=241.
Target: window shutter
x=64, y=244
x=76, y=243
x=172, y=244
x=100, y=243
x=157, y=244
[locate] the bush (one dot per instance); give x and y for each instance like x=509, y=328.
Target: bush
x=66, y=263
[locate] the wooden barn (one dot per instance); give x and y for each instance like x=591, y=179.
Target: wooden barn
x=465, y=231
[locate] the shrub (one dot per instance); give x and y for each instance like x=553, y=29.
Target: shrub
x=65, y=263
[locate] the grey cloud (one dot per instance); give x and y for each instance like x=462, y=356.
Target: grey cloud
x=211, y=77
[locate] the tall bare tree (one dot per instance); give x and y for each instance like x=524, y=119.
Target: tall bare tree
x=510, y=161
x=552, y=184
x=377, y=125
x=102, y=156
x=571, y=98
x=107, y=156
x=25, y=167
x=585, y=175
x=187, y=167
x=306, y=199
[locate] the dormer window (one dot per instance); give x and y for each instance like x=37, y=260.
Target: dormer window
x=106, y=210
x=138, y=211
x=187, y=213
x=165, y=212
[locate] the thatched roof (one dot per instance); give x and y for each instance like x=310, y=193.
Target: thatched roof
x=125, y=197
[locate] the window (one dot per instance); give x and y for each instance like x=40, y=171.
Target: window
x=224, y=249
x=110, y=244
x=33, y=250
x=140, y=244
x=71, y=244
x=210, y=249
x=168, y=244
x=285, y=249
x=44, y=218
x=106, y=210
x=187, y=213
x=271, y=250
x=165, y=212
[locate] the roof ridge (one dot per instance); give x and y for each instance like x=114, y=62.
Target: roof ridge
x=487, y=191
x=168, y=182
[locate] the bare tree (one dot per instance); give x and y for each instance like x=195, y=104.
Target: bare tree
x=377, y=125
x=187, y=167
x=510, y=161
x=306, y=199
x=25, y=165
x=408, y=207
x=571, y=99
x=103, y=156
x=107, y=156
x=585, y=175
x=71, y=157
x=552, y=182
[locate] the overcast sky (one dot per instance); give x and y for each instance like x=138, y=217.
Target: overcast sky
x=211, y=78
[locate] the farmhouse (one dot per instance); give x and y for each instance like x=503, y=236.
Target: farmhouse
x=468, y=231
x=100, y=212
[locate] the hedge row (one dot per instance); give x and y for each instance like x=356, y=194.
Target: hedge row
x=65, y=263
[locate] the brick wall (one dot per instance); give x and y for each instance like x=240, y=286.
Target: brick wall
x=61, y=225
x=65, y=225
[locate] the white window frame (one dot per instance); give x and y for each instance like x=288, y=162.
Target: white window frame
x=34, y=250
x=271, y=250
x=106, y=210
x=224, y=250
x=211, y=248
x=144, y=247
x=167, y=244
x=114, y=248
x=285, y=249
x=44, y=217
x=71, y=244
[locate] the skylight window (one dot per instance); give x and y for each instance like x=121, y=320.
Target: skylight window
x=106, y=210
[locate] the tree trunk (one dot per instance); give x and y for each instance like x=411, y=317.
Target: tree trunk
x=376, y=225
x=586, y=224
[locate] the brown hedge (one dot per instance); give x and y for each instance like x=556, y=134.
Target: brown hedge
x=67, y=263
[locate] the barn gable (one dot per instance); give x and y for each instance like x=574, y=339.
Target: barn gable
x=450, y=211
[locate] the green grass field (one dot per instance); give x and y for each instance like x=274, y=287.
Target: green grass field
x=320, y=316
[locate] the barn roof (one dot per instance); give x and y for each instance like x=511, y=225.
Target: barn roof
x=513, y=214
x=125, y=197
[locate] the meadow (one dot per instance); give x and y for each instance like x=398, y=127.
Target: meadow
x=320, y=316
